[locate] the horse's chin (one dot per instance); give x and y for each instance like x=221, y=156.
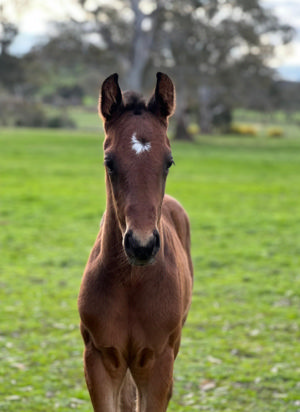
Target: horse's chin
x=137, y=262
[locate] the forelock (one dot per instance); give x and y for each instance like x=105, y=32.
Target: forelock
x=134, y=102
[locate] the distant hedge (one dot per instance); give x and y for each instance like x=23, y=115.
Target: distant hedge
x=21, y=113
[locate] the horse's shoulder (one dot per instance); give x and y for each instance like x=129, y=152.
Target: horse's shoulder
x=176, y=224
x=174, y=211
x=177, y=219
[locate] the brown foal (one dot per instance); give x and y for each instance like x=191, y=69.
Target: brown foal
x=137, y=285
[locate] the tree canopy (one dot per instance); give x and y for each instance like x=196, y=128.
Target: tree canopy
x=214, y=49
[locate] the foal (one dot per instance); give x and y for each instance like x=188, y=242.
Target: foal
x=137, y=285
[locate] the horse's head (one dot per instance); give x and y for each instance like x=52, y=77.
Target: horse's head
x=137, y=157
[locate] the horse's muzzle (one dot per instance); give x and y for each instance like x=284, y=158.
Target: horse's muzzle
x=138, y=253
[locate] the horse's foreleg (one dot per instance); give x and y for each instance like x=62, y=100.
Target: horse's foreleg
x=155, y=382
x=104, y=375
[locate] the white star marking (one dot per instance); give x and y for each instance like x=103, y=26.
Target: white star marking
x=138, y=146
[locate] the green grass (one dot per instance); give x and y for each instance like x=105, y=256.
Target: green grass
x=241, y=344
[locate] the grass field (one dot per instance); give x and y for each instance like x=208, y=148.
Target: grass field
x=241, y=345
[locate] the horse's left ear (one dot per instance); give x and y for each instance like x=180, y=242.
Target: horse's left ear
x=162, y=103
x=110, y=99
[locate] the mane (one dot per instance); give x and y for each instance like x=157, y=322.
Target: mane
x=134, y=102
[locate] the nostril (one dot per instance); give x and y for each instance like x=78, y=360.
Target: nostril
x=156, y=239
x=128, y=240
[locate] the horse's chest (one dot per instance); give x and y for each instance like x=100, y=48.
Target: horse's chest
x=142, y=312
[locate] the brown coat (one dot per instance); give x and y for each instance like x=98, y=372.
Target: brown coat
x=137, y=285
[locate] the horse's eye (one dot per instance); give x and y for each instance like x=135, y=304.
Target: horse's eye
x=170, y=162
x=109, y=164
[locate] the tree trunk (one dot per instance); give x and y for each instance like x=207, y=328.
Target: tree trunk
x=142, y=42
x=181, y=130
x=206, y=114
x=140, y=52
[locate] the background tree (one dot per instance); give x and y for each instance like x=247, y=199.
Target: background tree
x=213, y=49
x=218, y=48
x=127, y=31
x=11, y=69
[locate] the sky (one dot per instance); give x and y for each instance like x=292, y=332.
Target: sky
x=33, y=26
x=288, y=57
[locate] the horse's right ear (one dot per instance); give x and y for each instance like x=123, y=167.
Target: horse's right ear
x=110, y=99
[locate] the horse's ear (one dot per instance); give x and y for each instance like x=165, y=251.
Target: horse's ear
x=110, y=99
x=162, y=103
